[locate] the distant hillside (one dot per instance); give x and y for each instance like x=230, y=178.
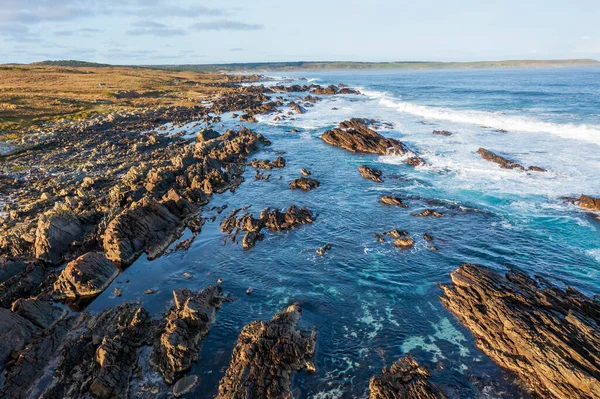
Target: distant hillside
x=71, y=63
x=342, y=65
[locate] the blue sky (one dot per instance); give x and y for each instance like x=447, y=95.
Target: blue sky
x=192, y=31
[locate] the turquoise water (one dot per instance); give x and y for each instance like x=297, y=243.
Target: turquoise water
x=370, y=302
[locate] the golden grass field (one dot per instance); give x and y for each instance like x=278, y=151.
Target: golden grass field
x=33, y=95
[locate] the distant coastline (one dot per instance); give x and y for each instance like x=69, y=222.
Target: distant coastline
x=344, y=65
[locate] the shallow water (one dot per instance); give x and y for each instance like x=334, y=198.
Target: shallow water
x=370, y=302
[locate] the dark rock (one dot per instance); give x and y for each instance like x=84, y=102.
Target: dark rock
x=390, y=200
x=86, y=276
x=405, y=379
x=505, y=163
x=304, y=183
x=28, y=283
x=548, y=336
x=15, y=332
x=206, y=134
x=429, y=212
x=305, y=172
x=442, y=132
x=248, y=118
x=296, y=107
x=321, y=251
x=266, y=356
x=370, y=173
x=55, y=234
x=182, y=330
x=41, y=313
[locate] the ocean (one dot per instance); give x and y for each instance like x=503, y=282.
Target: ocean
x=371, y=303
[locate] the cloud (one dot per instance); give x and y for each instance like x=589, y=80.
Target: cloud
x=225, y=24
x=82, y=32
x=154, y=29
x=18, y=33
x=237, y=49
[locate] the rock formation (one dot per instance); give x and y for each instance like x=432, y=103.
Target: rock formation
x=370, y=173
x=405, y=379
x=266, y=356
x=591, y=203
x=505, y=163
x=86, y=276
x=304, y=183
x=548, y=336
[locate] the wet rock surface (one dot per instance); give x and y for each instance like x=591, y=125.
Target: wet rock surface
x=590, y=203
x=505, y=163
x=86, y=276
x=391, y=200
x=405, y=379
x=548, y=336
x=182, y=329
x=370, y=173
x=266, y=356
x=356, y=136
x=304, y=184
x=273, y=220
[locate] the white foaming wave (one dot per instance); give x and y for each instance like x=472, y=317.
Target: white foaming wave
x=589, y=133
x=594, y=253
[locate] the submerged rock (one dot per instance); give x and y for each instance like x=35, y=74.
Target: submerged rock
x=304, y=183
x=305, y=172
x=548, y=336
x=370, y=173
x=390, y=200
x=429, y=212
x=86, y=276
x=182, y=330
x=591, y=203
x=442, y=133
x=321, y=251
x=266, y=356
x=405, y=379
x=505, y=163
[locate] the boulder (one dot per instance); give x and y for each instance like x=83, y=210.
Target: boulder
x=370, y=173
x=590, y=203
x=206, y=134
x=429, y=212
x=390, y=200
x=405, y=379
x=304, y=183
x=265, y=357
x=87, y=276
x=548, y=336
x=354, y=135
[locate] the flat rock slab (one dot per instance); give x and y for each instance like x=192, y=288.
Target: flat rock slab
x=548, y=336
x=185, y=385
x=86, y=276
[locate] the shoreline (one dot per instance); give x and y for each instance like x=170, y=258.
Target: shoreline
x=154, y=185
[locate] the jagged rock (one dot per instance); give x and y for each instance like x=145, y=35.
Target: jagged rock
x=429, y=212
x=405, y=379
x=206, y=134
x=273, y=220
x=390, y=200
x=371, y=173
x=548, y=336
x=10, y=268
x=148, y=226
x=86, y=276
x=41, y=313
x=305, y=172
x=304, y=183
x=404, y=242
x=279, y=162
x=266, y=356
x=25, y=284
x=248, y=118
x=591, y=203
x=55, y=234
x=354, y=135
x=505, y=163
x=101, y=358
x=296, y=107
x=15, y=332
x=442, y=133
x=182, y=330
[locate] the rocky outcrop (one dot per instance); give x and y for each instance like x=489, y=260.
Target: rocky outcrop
x=428, y=213
x=26, y=283
x=147, y=226
x=41, y=313
x=266, y=356
x=370, y=173
x=590, y=203
x=206, y=134
x=505, y=163
x=548, y=336
x=273, y=220
x=296, y=107
x=405, y=379
x=391, y=200
x=279, y=162
x=354, y=135
x=304, y=183
x=55, y=234
x=402, y=239
x=305, y=172
x=15, y=332
x=182, y=329
x=86, y=276
x=321, y=251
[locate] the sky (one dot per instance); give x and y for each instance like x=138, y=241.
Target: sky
x=227, y=31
